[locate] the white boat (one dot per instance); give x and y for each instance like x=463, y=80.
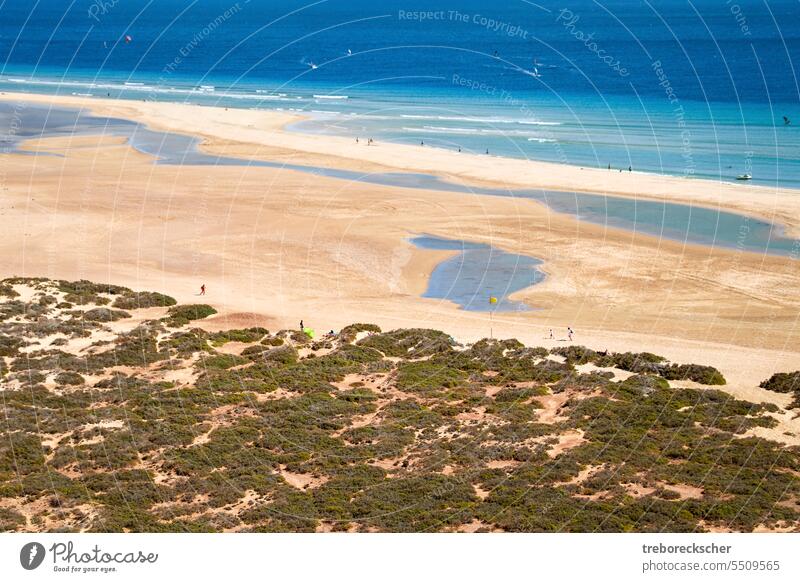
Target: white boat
x=744, y=177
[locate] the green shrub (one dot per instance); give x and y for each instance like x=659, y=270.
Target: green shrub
x=783, y=382
x=69, y=379
x=410, y=343
x=9, y=345
x=246, y=336
x=640, y=363
x=83, y=292
x=143, y=300
x=349, y=333
x=10, y=519
x=104, y=314
x=700, y=374
x=281, y=355
x=180, y=315
x=576, y=355
x=427, y=378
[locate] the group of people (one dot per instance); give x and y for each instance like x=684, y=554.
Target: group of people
x=630, y=168
x=370, y=141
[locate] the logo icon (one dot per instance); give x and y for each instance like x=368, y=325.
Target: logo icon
x=31, y=555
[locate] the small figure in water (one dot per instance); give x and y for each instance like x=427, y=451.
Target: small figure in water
x=487, y=151
x=609, y=166
x=422, y=143
x=786, y=120
x=203, y=289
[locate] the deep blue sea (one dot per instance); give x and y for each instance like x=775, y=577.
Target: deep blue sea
x=693, y=88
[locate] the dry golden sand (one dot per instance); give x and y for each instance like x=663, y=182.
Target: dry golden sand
x=276, y=246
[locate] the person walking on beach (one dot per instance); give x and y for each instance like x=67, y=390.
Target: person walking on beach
x=570, y=333
x=203, y=289
x=302, y=327
x=551, y=334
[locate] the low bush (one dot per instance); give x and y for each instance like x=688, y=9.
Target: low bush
x=576, y=355
x=69, y=379
x=181, y=315
x=349, y=333
x=104, y=314
x=427, y=378
x=246, y=336
x=143, y=300
x=280, y=355
x=700, y=374
x=410, y=343
x=783, y=382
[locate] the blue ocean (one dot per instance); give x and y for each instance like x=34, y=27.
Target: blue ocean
x=703, y=88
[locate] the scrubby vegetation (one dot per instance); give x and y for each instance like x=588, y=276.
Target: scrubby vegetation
x=180, y=315
x=642, y=363
x=785, y=383
x=129, y=423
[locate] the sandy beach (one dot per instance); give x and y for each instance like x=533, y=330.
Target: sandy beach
x=262, y=135
x=275, y=246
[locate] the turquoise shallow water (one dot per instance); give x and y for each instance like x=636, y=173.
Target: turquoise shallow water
x=685, y=87
x=477, y=273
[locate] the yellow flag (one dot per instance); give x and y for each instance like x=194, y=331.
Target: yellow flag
x=492, y=300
